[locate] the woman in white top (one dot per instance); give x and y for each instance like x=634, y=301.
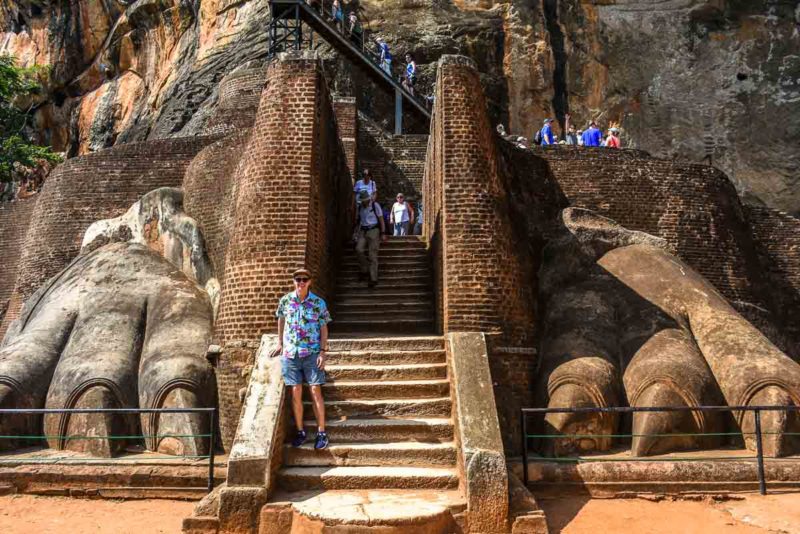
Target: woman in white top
x=367, y=184
x=401, y=216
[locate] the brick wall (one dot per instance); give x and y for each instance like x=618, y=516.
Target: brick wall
x=397, y=162
x=85, y=189
x=485, y=281
x=347, y=119
x=777, y=237
x=239, y=95
x=291, y=201
x=14, y=220
x=694, y=207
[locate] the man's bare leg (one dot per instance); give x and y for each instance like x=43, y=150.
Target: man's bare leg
x=297, y=405
x=319, y=407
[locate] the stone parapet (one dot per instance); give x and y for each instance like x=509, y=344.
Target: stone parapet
x=481, y=456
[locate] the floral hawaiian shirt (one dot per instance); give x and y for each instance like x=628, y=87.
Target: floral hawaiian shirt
x=304, y=321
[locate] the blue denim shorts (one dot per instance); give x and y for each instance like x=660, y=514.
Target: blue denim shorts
x=296, y=369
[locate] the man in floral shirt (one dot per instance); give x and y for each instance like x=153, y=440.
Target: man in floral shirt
x=303, y=319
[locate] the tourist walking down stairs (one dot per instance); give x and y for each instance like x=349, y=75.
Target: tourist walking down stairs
x=547, y=133
x=402, y=215
x=370, y=229
x=592, y=136
x=303, y=319
x=613, y=139
x=366, y=183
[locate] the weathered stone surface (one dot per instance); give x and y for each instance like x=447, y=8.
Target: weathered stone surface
x=675, y=338
x=119, y=327
x=484, y=465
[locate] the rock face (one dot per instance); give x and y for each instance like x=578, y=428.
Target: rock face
x=690, y=79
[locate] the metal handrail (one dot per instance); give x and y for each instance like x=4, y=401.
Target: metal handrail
x=762, y=483
x=212, y=413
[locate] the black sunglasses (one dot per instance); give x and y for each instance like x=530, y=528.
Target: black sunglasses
x=299, y=279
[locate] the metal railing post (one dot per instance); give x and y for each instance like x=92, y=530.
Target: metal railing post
x=524, y=448
x=211, y=449
x=762, y=482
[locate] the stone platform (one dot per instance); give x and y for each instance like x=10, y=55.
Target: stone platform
x=616, y=474
x=135, y=475
x=384, y=511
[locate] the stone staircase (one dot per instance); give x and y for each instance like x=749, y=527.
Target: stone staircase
x=392, y=461
x=402, y=303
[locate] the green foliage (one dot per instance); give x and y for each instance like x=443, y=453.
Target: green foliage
x=16, y=149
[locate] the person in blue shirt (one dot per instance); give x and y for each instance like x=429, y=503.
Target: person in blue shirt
x=592, y=136
x=386, y=56
x=547, y=133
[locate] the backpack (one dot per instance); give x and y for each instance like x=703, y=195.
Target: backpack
x=537, y=137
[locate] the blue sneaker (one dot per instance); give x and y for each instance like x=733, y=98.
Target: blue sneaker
x=322, y=441
x=299, y=439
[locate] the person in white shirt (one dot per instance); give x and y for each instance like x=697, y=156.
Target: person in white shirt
x=401, y=216
x=370, y=229
x=367, y=184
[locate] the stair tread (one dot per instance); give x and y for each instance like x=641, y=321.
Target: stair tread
x=387, y=366
x=370, y=471
x=394, y=445
x=425, y=400
x=378, y=383
x=384, y=422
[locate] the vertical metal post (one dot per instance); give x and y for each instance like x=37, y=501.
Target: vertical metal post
x=524, y=448
x=298, y=28
x=398, y=112
x=211, y=447
x=762, y=482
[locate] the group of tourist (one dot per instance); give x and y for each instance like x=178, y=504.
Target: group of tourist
x=372, y=224
x=591, y=136
x=354, y=30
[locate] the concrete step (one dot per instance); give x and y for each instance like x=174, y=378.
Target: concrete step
x=373, y=477
x=423, y=429
x=393, y=252
x=385, y=389
x=395, y=326
x=379, y=307
x=378, y=295
x=397, y=259
x=390, y=292
x=386, y=357
x=420, y=274
x=404, y=343
x=407, y=453
x=412, y=285
x=371, y=409
x=431, y=371
x=405, y=241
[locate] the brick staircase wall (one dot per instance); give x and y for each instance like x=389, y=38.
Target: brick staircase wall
x=88, y=188
x=14, y=220
x=292, y=202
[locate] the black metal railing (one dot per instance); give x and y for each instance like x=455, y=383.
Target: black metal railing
x=33, y=438
x=757, y=433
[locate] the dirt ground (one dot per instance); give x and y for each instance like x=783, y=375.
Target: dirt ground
x=751, y=514
x=29, y=514
x=25, y=514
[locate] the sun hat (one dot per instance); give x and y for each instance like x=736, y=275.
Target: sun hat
x=548, y=120
x=363, y=195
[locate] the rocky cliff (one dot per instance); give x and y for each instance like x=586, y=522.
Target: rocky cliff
x=699, y=80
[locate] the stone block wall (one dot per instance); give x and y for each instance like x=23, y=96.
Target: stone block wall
x=291, y=201
x=88, y=188
x=486, y=285
x=14, y=220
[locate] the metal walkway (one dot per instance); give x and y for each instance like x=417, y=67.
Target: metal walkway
x=286, y=32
